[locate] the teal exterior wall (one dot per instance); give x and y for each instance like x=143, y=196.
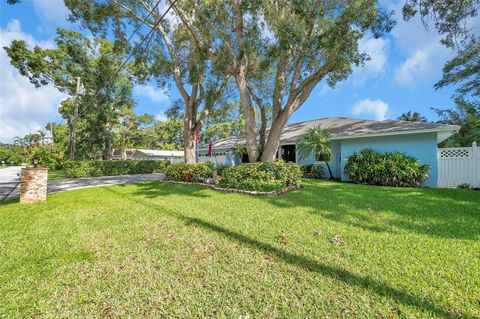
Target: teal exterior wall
x=335, y=161
x=422, y=146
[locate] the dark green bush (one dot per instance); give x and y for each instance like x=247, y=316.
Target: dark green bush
x=262, y=176
x=313, y=171
x=390, y=169
x=219, y=168
x=113, y=168
x=188, y=172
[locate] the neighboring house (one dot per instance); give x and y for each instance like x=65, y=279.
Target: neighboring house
x=172, y=156
x=117, y=154
x=348, y=135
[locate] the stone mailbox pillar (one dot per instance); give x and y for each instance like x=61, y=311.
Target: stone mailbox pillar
x=33, y=185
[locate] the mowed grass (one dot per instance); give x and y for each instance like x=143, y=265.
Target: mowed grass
x=173, y=251
x=56, y=174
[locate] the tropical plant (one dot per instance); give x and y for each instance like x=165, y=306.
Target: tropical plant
x=239, y=150
x=412, y=117
x=467, y=116
x=390, y=169
x=316, y=141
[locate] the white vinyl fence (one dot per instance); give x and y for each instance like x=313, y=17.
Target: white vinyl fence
x=459, y=165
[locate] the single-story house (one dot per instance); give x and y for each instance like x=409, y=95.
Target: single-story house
x=172, y=156
x=348, y=135
x=117, y=154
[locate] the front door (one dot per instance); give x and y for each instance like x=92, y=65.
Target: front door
x=288, y=153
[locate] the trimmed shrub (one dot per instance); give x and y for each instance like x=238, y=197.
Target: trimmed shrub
x=390, y=169
x=188, y=172
x=113, y=168
x=313, y=171
x=262, y=176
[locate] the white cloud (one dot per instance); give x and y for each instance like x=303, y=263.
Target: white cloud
x=416, y=68
x=375, y=67
x=161, y=117
x=23, y=108
x=156, y=95
x=377, y=108
x=425, y=56
x=51, y=12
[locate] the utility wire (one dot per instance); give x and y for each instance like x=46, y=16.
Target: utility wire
x=137, y=46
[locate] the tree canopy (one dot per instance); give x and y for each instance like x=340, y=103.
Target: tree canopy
x=170, y=54
x=286, y=47
x=107, y=93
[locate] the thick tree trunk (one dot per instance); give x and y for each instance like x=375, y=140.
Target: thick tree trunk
x=271, y=147
x=263, y=129
x=249, y=115
x=190, y=147
x=109, y=151
x=190, y=134
x=109, y=147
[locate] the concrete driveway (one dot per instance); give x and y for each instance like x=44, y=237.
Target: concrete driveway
x=9, y=180
x=12, y=189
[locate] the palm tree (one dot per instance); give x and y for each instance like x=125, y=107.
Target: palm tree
x=316, y=141
x=412, y=117
x=17, y=140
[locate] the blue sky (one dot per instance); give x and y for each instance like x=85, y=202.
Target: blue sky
x=399, y=77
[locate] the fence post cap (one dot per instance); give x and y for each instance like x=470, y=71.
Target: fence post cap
x=474, y=144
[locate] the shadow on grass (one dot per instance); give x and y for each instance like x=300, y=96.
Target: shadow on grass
x=155, y=189
x=446, y=213
x=308, y=264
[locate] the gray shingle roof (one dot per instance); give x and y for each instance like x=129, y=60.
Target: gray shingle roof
x=342, y=127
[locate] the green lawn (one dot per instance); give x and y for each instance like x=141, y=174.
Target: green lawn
x=173, y=251
x=56, y=174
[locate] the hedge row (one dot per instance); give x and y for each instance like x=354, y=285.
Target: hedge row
x=390, y=169
x=111, y=168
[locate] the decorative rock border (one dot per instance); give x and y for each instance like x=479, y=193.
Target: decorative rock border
x=238, y=191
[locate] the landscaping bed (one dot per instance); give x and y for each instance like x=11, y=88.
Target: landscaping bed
x=253, y=178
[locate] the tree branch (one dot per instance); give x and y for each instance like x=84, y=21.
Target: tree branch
x=195, y=37
x=279, y=83
x=217, y=31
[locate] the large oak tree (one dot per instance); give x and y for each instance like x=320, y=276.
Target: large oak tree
x=284, y=46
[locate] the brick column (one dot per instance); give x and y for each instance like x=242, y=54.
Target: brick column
x=33, y=185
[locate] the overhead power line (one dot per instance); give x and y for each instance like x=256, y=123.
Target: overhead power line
x=137, y=46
